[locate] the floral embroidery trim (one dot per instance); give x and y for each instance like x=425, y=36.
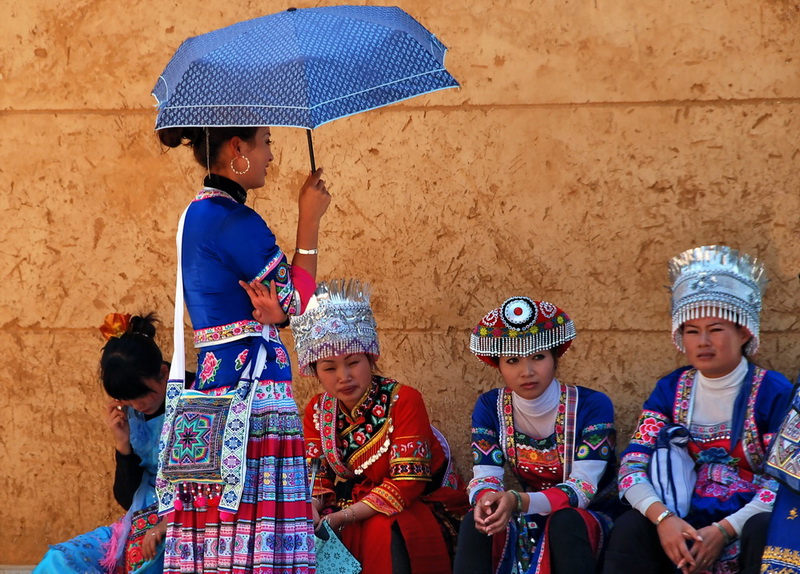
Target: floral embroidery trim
x=385, y=498
x=580, y=492
x=650, y=422
x=410, y=459
x=633, y=470
x=229, y=332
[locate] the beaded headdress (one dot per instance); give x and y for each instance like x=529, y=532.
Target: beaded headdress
x=521, y=327
x=338, y=320
x=717, y=281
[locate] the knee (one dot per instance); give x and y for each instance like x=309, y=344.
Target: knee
x=467, y=526
x=754, y=531
x=629, y=527
x=566, y=520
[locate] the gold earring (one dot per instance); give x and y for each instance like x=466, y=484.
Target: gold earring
x=236, y=171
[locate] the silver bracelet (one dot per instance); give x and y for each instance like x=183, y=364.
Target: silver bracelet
x=307, y=251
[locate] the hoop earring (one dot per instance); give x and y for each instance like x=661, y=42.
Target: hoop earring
x=236, y=171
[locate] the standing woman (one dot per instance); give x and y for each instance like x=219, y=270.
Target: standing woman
x=135, y=377
x=557, y=439
x=386, y=482
x=731, y=408
x=266, y=525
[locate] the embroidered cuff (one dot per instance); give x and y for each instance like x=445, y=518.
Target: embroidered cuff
x=386, y=499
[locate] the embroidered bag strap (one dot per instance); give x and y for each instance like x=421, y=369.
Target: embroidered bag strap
x=570, y=394
x=177, y=372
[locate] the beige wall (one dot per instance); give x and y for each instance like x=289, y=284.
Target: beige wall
x=590, y=142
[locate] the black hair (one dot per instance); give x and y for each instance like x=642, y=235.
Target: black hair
x=195, y=138
x=130, y=359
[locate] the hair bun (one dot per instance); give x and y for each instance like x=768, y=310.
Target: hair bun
x=173, y=137
x=144, y=325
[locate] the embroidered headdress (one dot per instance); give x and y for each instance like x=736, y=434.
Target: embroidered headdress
x=521, y=327
x=717, y=281
x=337, y=321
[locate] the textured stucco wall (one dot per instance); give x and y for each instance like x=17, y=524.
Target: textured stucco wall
x=590, y=142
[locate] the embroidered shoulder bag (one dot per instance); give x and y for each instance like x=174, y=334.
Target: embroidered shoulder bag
x=204, y=438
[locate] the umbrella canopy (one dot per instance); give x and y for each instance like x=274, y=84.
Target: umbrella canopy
x=301, y=68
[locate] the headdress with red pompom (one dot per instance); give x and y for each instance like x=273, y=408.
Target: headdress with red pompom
x=115, y=325
x=521, y=327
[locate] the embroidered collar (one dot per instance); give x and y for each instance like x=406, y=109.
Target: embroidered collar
x=351, y=446
x=236, y=191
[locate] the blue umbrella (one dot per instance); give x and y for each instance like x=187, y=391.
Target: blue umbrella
x=300, y=68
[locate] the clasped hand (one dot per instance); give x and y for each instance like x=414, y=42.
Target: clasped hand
x=493, y=511
x=707, y=543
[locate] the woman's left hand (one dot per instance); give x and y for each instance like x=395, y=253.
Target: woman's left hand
x=267, y=308
x=708, y=551
x=152, y=540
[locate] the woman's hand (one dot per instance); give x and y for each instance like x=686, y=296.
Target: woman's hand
x=267, y=308
x=674, y=534
x=152, y=540
x=708, y=552
x=336, y=520
x=493, y=511
x=117, y=422
x=313, y=201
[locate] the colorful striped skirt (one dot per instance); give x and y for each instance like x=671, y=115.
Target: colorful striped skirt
x=272, y=532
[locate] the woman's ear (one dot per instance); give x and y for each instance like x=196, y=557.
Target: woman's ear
x=234, y=146
x=744, y=335
x=164, y=374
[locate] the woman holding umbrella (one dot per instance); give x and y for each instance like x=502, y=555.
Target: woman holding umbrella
x=266, y=526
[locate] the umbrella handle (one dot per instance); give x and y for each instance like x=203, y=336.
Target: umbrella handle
x=311, y=151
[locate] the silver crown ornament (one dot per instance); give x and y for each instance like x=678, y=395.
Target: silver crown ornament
x=717, y=281
x=338, y=320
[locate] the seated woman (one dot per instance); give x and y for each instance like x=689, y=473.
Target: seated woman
x=780, y=530
x=731, y=408
x=557, y=439
x=385, y=482
x=135, y=376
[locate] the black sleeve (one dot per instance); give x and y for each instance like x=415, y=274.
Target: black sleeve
x=127, y=478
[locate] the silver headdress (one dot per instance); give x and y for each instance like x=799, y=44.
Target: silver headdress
x=337, y=321
x=717, y=281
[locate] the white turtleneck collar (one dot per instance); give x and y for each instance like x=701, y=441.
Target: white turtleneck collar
x=714, y=398
x=732, y=379
x=537, y=417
